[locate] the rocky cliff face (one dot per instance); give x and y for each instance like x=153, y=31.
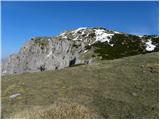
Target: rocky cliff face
x=67, y=49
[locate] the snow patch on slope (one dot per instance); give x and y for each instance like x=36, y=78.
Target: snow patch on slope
x=82, y=28
x=83, y=33
x=63, y=35
x=140, y=36
x=150, y=46
x=116, y=32
x=77, y=30
x=85, y=51
x=111, y=45
x=102, y=36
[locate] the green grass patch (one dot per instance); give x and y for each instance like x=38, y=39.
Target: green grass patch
x=120, y=88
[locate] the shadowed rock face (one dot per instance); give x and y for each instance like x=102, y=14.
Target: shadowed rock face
x=64, y=50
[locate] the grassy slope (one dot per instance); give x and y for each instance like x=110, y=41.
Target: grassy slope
x=121, y=88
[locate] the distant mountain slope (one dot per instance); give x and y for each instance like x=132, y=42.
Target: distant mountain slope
x=120, y=88
x=67, y=49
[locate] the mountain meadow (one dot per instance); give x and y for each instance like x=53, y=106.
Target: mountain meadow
x=119, y=88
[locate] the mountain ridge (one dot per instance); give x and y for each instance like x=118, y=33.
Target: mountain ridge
x=71, y=47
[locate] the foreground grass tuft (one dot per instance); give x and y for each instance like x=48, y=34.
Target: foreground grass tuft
x=60, y=110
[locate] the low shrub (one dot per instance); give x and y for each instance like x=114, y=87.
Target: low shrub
x=123, y=45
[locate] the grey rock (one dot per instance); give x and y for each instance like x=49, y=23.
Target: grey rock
x=51, y=53
x=14, y=95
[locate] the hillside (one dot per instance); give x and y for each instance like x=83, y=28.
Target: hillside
x=79, y=46
x=121, y=88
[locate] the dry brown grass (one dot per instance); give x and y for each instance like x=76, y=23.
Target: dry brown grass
x=115, y=89
x=59, y=110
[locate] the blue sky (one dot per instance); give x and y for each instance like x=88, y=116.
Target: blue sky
x=23, y=20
